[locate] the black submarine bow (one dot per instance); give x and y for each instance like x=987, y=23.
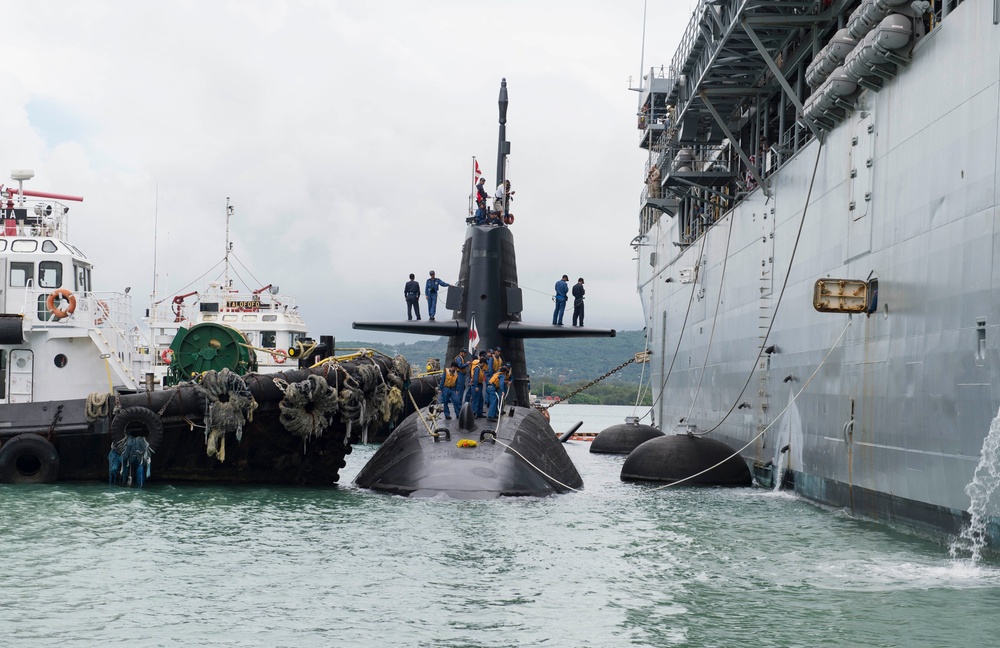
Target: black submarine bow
x=487, y=292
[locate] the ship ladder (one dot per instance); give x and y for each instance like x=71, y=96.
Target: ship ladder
x=123, y=371
x=764, y=361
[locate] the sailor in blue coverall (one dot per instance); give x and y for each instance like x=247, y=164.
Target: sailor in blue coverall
x=495, y=390
x=449, y=391
x=562, y=291
x=462, y=364
x=431, y=292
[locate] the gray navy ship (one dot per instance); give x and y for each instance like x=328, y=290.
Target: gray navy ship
x=816, y=247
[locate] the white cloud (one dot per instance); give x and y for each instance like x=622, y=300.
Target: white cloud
x=343, y=132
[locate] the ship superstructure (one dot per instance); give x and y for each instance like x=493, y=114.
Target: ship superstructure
x=816, y=245
x=268, y=327
x=59, y=338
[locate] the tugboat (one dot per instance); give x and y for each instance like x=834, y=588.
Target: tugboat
x=259, y=330
x=80, y=399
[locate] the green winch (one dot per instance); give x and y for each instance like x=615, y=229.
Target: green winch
x=209, y=346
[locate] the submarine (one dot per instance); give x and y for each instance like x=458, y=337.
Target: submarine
x=464, y=457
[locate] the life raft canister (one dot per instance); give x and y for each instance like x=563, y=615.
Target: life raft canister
x=61, y=293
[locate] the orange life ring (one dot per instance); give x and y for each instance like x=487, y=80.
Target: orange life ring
x=62, y=293
x=509, y=219
x=280, y=359
x=167, y=355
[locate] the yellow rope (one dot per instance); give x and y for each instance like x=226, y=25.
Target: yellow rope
x=107, y=367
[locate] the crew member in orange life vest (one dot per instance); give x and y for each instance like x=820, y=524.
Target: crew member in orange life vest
x=495, y=390
x=462, y=365
x=449, y=391
x=478, y=376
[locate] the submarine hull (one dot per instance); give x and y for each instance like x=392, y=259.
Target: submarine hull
x=525, y=459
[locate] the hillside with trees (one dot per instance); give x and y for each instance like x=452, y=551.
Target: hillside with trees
x=556, y=367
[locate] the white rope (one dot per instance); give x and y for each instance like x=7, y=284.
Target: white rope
x=776, y=418
x=509, y=447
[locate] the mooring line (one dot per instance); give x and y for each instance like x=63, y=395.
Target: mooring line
x=776, y=418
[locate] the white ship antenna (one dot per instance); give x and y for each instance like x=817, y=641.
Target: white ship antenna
x=642, y=56
x=229, y=246
x=156, y=220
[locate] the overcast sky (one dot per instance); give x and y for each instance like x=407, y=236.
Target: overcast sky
x=343, y=132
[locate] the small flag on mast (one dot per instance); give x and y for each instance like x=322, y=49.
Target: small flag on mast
x=479, y=173
x=473, y=335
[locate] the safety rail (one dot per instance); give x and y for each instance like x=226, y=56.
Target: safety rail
x=688, y=40
x=38, y=218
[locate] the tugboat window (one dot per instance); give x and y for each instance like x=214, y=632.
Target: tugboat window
x=21, y=274
x=267, y=339
x=50, y=274
x=249, y=318
x=3, y=374
x=49, y=246
x=59, y=360
x=3, y=245
x=24, y=245
x=269, y=318
x=228, y=318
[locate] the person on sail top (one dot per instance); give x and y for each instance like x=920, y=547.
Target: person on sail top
x=431, y=293
x=503, y=198
x=481, y=198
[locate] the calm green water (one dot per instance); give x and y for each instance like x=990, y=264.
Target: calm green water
x=615, y=565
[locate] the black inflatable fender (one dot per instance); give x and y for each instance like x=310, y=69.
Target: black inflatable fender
x=12, y=460
x=141, y=415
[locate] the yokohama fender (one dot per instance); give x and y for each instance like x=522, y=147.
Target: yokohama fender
x=135, y=419
x=28, y=459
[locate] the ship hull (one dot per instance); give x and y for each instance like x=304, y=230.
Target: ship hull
x=882, y=413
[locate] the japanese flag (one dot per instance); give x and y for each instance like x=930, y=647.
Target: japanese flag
x=473, y=336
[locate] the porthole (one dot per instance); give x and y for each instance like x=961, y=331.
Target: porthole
x=60, y=360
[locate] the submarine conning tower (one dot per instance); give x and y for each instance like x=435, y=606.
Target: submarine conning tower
x=488, y=290
x=487, y=293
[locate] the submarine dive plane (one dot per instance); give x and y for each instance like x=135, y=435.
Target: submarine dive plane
x=466, y=457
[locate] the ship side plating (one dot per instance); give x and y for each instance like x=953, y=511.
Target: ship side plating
x=791, y=142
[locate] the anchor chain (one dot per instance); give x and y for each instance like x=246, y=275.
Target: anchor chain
x=639, y=357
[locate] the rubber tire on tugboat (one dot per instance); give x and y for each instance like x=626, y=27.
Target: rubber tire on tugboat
x=28, y=459
x=141, y=415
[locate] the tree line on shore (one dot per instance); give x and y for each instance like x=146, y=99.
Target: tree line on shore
x=556, y=367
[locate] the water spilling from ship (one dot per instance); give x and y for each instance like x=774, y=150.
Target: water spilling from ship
x=975, y=536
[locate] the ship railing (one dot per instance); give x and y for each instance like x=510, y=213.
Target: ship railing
x=688, y=40
x=105, y=316
x=163, y=312
x=44, y=218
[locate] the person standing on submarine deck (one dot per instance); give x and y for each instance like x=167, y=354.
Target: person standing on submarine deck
x=431, y=293
x=562, y=293
x=411, y=291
